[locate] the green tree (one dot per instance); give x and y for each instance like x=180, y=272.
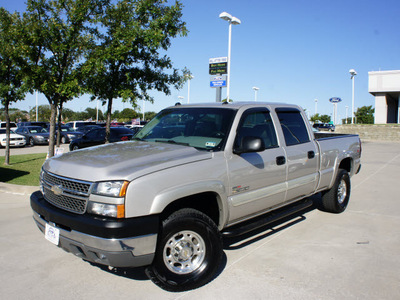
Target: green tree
x=44, y=113
x=320, y=118
x=58, y=32
x=67, y=114
x=127, y=114
x=130, y=57
x=149, y=115
x=12, y=67
x=365, y=115
x=19, y=115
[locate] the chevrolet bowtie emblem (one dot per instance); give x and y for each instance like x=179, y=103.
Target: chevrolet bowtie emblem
x=57, y=189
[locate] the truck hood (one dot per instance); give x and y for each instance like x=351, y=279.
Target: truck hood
x=122, y=160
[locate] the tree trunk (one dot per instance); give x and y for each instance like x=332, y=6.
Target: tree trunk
x=59, y=124
x=52, y=128
x=109, y=108
x=7, y=156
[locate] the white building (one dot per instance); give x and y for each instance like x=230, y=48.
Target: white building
x=385, y=86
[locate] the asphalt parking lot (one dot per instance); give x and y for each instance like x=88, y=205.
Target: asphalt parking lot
x=354, y=255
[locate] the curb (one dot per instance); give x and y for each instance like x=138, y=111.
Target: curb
x=17, y=189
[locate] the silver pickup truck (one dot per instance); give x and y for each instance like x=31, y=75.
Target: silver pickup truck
x=193, y=175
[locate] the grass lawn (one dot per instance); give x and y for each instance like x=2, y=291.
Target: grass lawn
x=23, y=169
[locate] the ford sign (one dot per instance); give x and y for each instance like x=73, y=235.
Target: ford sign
x=335, y=100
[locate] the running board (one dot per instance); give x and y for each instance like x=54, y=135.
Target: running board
x=266, y=219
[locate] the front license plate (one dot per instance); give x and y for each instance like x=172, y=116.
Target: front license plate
x=52, y=234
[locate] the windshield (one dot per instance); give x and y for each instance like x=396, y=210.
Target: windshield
x=202, y=128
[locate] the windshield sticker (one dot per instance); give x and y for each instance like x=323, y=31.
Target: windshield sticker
x=211, y=144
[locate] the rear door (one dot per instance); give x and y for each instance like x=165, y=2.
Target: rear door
x=257, y=180
x=301, y=153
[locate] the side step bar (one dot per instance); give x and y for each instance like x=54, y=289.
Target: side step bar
x=266, y=219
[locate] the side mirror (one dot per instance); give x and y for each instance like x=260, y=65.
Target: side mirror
x=250, y=144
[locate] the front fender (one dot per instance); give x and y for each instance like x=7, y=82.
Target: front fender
x=170, y=195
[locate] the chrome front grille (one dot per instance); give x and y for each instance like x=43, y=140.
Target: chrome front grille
x=66, y=193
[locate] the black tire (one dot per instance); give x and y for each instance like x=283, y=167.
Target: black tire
x=189, y=252
x=31, y=142
x=336, y=199
x=73, y=147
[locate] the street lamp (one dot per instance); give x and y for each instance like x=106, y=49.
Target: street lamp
x=316, y=105
x=190, y=77
x=352, y=73
x=232, y=21
x=255, y=92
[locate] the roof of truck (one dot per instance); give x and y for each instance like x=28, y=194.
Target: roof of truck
x=236, y=105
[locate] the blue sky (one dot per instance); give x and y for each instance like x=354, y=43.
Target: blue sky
x=294, y=51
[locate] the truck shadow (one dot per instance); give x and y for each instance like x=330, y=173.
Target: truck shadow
x=131, y=273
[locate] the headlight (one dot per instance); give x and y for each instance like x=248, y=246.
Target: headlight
x=110, y=188
x=39, y=137
x=107, y=210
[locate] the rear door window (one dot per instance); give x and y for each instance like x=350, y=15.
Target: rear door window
x=293, y=126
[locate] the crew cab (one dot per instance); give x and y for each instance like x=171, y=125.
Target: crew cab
x=193, y=175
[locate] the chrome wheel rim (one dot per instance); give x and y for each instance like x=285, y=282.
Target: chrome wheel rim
x=184, y=252
x=342, y=191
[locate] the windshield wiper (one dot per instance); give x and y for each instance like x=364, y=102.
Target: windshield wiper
x=172, y=142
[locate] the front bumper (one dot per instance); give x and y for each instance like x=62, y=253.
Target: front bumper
x=119, y=243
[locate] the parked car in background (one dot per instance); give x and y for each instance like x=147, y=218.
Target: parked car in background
x=135, y=128
x=324, y=127
x=34, y=123
x=35, y=135
x=78, y=124
x=16, y=140
x=98, y=136
x=117, y=124
x=87, y=128
x=67, y=134
x=13, y=126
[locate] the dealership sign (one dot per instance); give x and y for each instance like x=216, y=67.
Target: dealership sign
x=218, y=81
x=335, y=100
x=218, y=65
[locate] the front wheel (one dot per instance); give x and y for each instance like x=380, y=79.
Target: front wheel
x=188, y=253
x=31, y=142
x=336, y=199
x=73, y=147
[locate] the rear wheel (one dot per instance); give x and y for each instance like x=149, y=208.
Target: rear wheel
x=188, y=253
x=336, y=199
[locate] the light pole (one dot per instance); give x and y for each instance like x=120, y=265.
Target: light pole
x=316, y=105
x=352, y=73
x=232, y=21
x=255, y=92
x=190, y=77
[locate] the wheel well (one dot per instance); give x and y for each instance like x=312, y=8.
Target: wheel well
x=204, y=202
x=346, y=164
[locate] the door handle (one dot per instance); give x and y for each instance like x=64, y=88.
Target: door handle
x=280, y=160
x=311, y=154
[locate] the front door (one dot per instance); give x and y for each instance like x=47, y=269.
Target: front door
x=257, y=180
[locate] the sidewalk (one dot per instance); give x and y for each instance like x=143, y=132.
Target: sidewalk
x=17, y=189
